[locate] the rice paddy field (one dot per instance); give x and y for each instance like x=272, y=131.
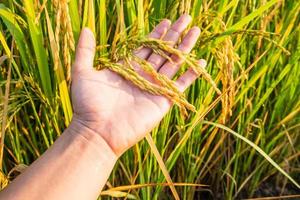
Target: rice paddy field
x=241, y=141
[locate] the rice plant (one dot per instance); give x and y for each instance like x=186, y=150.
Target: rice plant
x=232, y=135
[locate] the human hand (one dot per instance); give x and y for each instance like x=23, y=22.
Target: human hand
x=114, y=108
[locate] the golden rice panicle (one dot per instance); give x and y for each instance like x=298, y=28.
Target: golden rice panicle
x=64, y=34
x=226, y=58
x=161, y=85
x=184, y=6
x=227, y=67
x=122, y=50
x=161, y=88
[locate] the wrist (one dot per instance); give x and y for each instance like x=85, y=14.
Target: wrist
x=88, y=137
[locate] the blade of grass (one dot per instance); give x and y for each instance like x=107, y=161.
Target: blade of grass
x=140, y=11
x=268, y=92
x=10, y=21
x=251, y=16
x=75, y=19
x=37, y=39
x=103, y=26
x=257, y=148
x=162, y=165
x=89, y=16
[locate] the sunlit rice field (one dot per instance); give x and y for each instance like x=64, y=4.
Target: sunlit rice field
x=236, y=132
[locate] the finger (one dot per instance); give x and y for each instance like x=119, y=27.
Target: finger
x=85, y=51
x=169, y=69
x=171, y=36
x=158, y=31
x=186, y=79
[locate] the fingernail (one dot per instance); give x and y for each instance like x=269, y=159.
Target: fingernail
x=187, y=16
x=202, y=63
x=166, y=22
x=181, y=24
x=196, y=30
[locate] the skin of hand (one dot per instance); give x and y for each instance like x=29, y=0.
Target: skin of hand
x=110, y=115
x=112, y=107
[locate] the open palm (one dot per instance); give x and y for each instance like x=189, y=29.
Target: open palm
x=113, y=107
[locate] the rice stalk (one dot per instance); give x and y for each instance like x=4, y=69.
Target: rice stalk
x=5, y=106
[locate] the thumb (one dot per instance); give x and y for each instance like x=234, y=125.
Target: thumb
x=85, y=51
